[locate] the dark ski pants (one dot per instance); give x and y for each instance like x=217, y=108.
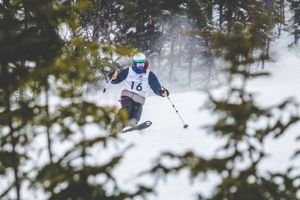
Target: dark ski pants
x=134, y=109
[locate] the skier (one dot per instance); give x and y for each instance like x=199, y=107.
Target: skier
x=138, y=80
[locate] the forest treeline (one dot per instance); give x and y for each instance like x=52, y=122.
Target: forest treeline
x=50, y=49
x=163, y=30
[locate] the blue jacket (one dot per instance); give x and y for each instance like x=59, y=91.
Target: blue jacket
x=152, y=80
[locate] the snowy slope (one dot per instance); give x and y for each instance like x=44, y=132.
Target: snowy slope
x=167, y=132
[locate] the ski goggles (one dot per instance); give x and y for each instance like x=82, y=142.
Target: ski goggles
x=140, y=65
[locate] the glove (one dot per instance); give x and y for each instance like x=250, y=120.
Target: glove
x=164, y=92
x=113, y=75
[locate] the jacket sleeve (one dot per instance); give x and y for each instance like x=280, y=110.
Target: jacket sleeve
x=121, y=76
x=154, y=84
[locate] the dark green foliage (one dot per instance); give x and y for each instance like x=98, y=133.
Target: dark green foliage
x=28, y=32
x=42, y=72
x=28, y=38
x=133, y=23
x=200, y=12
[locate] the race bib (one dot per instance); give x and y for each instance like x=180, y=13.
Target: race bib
x=137, y=83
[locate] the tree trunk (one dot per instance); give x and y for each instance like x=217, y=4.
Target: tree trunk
x=49, y=141
x=171, y=61
x=190, y=71
x=14, y=142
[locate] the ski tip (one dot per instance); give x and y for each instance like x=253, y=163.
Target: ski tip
x=185, y=126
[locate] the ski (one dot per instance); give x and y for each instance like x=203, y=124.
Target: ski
x=141, y=126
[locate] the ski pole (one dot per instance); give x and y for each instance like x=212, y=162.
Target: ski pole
x=184, y=124
x=109, y=82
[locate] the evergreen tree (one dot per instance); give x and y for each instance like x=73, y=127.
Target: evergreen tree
x=44, y=118
x=102, y=21
x=140, y=24
x=28, y=38
x=295, y=6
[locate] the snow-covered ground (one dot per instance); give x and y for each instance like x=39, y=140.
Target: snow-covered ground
x=167, y=132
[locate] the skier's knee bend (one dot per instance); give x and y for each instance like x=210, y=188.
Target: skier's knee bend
x=134, y=110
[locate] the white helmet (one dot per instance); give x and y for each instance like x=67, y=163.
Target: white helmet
x=139, y=57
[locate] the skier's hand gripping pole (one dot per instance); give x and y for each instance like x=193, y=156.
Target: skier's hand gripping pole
x=184, y=124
